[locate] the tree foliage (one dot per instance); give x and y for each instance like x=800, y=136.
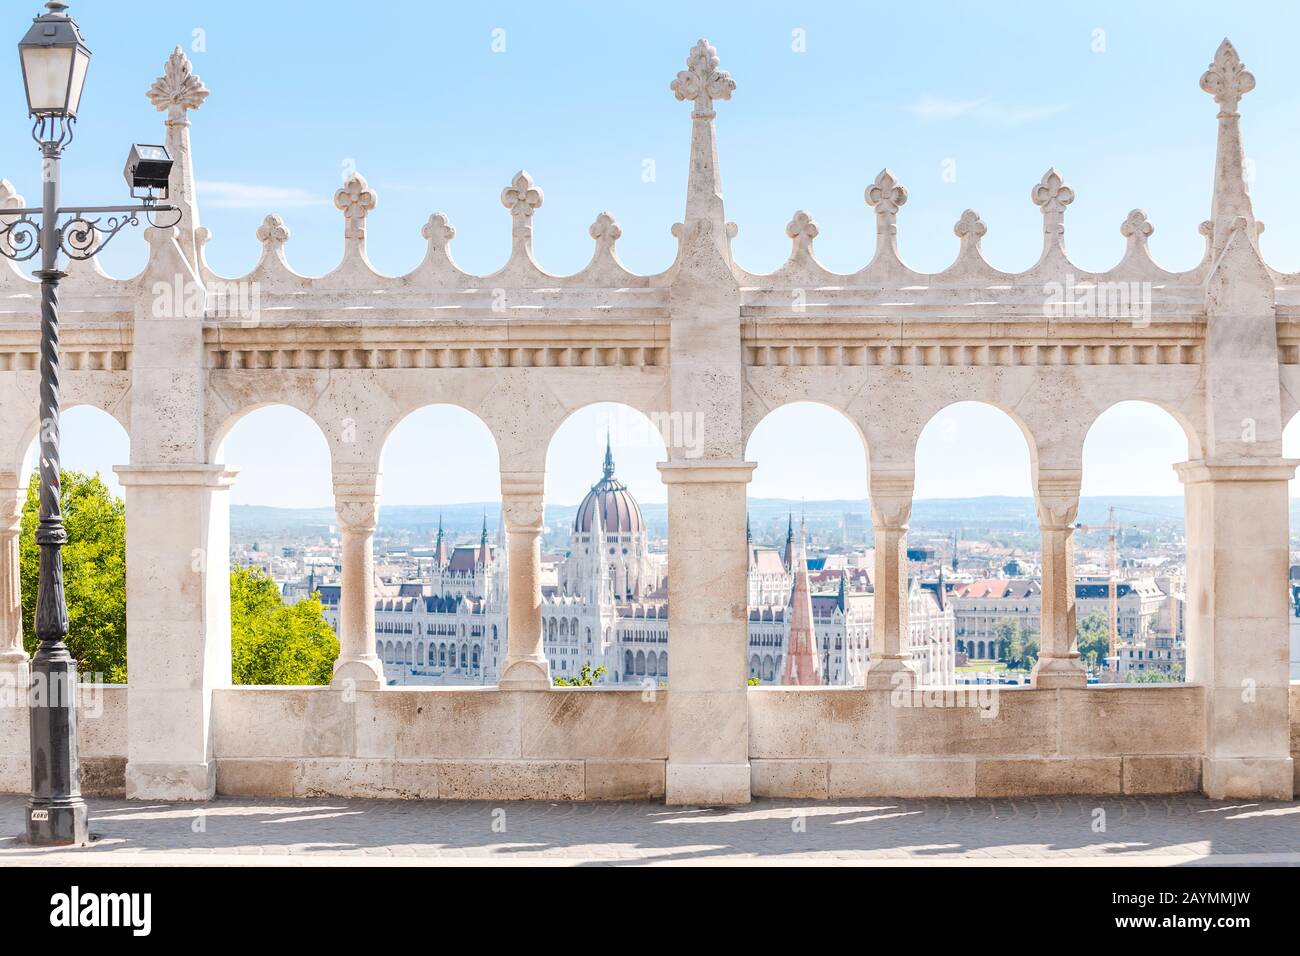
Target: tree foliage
x=94, y=573
x=586, y=677
x=273, y=642
x=1093, y=634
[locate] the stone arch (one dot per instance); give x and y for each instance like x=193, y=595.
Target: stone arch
x=434, y=420
x=23, y=455
x=1192, y=450
x=942, y=422
x=759, y=415
x=231, y=418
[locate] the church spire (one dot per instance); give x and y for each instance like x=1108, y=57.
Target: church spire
x=609, y=457
x=439, y=547
x=802, y=661
x=483, y=558
x=788, y=557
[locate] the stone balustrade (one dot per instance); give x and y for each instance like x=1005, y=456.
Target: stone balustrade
x=178, y=354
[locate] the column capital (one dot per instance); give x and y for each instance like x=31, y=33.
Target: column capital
x=707, y=471
x=523, y=484
x=355, y=481
x=1262, y=469
x=12, y=498
x=890, y=498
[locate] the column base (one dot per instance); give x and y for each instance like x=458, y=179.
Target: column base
x=711, y=784
x=891, y=673
x=526, y=674
x=1054, y=672
x=57, y=822
x=171, y=781
x=1248, y=778
x=359, y=673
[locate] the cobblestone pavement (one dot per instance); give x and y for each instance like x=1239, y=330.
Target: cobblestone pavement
x=1030, y=831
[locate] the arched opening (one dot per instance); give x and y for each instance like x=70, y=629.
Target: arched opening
x=1130, y=551
x=283, y=549
x=605, y=543
x=439, y=550
x=973, y=546
x=91, y=443
x=810, y=571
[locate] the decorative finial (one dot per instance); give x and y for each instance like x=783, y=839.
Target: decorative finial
x=606, y=231
x=1136, y=229
x=802, y=230
x=1226, y=79
x=970, y=229
x=609, y=457
x=272, y=232
x=9, y=198
x=355, y=199
x=178, y=89
x=438, y=231
x=522, y=197
x=702, y=81
x=886, y=194
x=1052, y=195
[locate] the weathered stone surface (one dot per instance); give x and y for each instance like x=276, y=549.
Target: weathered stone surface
x=912, y=777
x=1031, y=777
x=799, y=779
x=624, y=780
x=1180, y=773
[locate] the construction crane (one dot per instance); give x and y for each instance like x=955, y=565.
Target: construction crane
x=1112, y=561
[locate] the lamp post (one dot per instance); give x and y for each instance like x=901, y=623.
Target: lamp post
x=54, y=60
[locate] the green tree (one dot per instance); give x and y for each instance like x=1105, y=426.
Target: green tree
x=1093, y=634
x=94, y=573
x=586, y=677
x=276, y=643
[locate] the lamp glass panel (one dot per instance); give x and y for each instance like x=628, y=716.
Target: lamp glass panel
x=46, y=70
x=79, y=65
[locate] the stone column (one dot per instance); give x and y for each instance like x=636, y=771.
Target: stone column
x=177, y=624
x=13, y=659
x=891, y=663
x=522, y=501
x=1238, y=623
x=1058, y=659
x=356, y=503
x=708, y=632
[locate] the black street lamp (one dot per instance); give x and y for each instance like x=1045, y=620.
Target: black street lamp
x=54, y=59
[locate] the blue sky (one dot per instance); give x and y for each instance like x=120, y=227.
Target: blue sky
x=416, y=97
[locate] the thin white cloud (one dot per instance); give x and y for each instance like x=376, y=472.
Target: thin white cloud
x=936, y=107
x=931, y=108
x=223, y=195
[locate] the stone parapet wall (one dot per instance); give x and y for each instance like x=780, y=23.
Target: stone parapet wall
x=593, y=744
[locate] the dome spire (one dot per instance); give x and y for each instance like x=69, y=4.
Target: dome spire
x=609, y=457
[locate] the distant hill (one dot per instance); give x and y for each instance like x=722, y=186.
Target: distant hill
x=766, y=514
